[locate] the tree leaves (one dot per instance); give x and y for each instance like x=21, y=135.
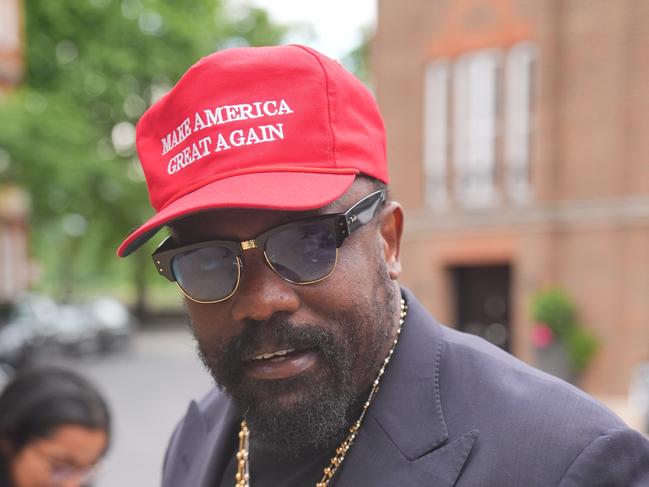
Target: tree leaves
x=92, y=68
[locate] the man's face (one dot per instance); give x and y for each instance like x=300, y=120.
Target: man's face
x=296, y=358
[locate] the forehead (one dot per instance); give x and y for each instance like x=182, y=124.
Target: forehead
x=245, y=223
x=76, y=442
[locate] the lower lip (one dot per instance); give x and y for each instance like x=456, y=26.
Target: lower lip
x=281, y=367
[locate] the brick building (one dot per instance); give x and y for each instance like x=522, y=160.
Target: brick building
x=11, y=65
x=518, y=134
x=14, y=262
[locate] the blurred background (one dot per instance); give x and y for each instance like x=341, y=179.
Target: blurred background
x=518, y=134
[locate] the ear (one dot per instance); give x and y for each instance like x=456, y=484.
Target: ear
x=391, y=233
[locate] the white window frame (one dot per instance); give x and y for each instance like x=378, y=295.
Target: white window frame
x=475, y=109
x=436, y=120
x=519, y=120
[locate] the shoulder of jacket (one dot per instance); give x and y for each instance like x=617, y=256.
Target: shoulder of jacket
x=617, y=457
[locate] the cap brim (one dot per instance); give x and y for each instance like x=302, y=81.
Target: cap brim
x=293, y=191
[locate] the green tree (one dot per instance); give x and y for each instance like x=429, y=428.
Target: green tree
x=92, y=68
x=359, y=59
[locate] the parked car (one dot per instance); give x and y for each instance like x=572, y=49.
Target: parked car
x=27, y=329
x=75, y=330
x=15, y=343
x=39, y=326
x=114, y=323
x=6, y=374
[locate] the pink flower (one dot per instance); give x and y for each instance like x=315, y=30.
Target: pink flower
x=542, y=336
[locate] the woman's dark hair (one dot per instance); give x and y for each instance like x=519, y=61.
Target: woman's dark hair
x=39, y=400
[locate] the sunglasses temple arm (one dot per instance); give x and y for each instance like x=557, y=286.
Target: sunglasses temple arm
x=363, y=212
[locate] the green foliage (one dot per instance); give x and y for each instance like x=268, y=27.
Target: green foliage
x=557, y=310
x=358, y=60
x=92, y=68
x=554, y=308
x=582, y=347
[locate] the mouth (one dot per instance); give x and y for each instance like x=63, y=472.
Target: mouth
x=272, y=355
x=280, y=363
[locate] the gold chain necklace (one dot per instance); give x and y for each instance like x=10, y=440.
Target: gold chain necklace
x=243, y=463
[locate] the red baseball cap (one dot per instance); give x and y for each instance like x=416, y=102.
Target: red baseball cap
x=282, y=128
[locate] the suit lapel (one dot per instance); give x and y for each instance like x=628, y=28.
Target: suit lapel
x=220, y=442
x=404, y=440
x=374, y=460
x=203, y=451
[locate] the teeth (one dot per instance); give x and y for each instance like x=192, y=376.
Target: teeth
x=278, y=353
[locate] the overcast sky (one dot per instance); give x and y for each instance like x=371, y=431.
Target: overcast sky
x=337, y=23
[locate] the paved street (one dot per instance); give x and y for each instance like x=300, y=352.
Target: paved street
x=149, y=388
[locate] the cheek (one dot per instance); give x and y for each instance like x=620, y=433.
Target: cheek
x=357, y=271
x=209, y=322
x=351, y=290
x=27, y=470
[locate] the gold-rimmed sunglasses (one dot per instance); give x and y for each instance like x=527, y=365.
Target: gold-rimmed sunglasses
x=300, y=252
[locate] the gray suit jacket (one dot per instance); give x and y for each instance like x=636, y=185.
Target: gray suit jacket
x=452, y=410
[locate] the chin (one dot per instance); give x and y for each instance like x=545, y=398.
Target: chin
x=305, y=411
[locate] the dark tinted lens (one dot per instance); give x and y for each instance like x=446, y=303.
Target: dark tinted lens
x=303, y=253
x=206, y=274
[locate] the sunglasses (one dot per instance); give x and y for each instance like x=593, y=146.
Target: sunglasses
x=300, y=252
x=61, y=471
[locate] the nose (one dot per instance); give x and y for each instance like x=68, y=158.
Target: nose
x=261, y=292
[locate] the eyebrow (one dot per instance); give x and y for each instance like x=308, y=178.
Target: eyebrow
x=64, y=459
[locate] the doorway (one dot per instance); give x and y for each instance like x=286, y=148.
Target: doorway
x=482, y=302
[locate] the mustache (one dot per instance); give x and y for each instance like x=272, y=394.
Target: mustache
x=283, y=333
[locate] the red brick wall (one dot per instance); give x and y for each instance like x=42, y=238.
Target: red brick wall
x=587, y=225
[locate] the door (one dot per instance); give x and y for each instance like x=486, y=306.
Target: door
x=482, y=301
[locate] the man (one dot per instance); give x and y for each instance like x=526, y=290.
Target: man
x=268, y=165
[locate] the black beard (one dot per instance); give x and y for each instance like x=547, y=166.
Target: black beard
x=311, y=410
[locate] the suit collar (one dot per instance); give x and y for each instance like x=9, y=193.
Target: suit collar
x=408, y=405
x=404, y=440
x=205, y=454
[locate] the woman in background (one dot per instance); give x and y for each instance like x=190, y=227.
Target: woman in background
x=54, y=429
